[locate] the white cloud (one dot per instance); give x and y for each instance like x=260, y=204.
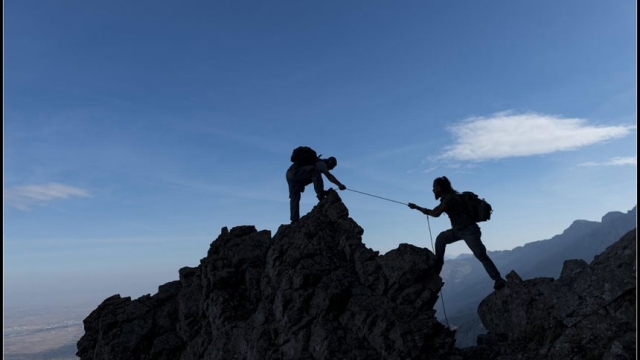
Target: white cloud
x=506, y=134
x=429, y=170
x=617, y=161
x=21, y=197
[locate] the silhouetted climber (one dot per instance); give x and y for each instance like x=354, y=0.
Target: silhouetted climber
x=463, y=227
x=308, y=168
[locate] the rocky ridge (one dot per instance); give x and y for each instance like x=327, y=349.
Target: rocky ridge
x=589, y=312
x=315, y=291
x=312, y=291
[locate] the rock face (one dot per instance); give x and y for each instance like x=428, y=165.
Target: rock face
x=312, y=291
x=588, y=313
x=467, y=284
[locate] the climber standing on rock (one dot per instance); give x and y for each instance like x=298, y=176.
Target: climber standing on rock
x=463, y=227
x=308, y=168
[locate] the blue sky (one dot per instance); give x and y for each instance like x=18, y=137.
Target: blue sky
x=133, y=132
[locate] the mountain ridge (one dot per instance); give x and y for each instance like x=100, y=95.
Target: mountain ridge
x=466, y=282
x=315, y=291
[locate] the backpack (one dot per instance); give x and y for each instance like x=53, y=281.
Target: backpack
x=479, y=209
x=304, y=156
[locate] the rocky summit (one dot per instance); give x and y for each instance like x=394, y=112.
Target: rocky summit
x=312, y=291
x=589, y=312
x=315, y=291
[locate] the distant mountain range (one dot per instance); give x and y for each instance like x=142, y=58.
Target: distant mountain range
x=466, y=282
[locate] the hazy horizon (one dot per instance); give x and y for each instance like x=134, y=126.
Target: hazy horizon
x=59, y=296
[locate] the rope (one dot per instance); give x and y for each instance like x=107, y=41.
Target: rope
x=379, y=197
x=444, y=310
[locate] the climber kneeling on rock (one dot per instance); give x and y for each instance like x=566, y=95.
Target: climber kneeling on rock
x=308, y=168
x=463, y=227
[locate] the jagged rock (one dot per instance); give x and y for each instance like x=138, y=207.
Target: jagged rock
x=588, y=313
x=313, y=291
x=467, y=283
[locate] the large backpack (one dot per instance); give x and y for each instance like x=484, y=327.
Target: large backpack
x=479, y=208
x=304, y=156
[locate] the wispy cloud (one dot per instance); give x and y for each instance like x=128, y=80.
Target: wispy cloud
x=505, y=134
x=21, y=197
x=617, y=161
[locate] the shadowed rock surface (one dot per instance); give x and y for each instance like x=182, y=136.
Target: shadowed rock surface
x=315, y=291
x=467, y=284
x=588, y=313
